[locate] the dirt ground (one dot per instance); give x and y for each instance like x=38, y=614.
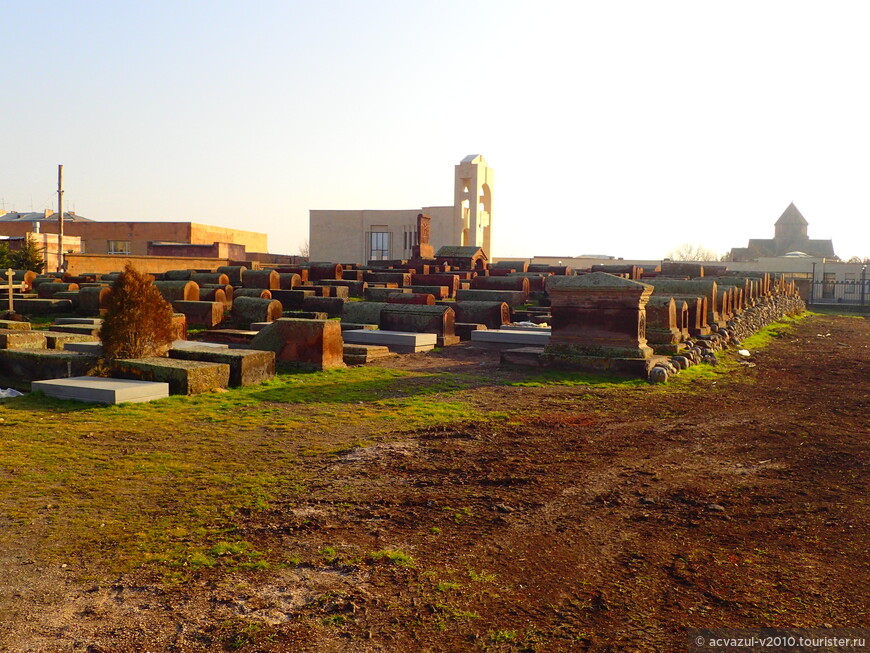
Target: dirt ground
x=593, y=519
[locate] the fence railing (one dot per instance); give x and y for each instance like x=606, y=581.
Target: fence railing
x=855, y=293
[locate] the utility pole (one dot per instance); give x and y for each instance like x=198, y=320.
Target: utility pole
x=59, y=218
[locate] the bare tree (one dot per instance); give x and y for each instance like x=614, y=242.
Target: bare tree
x=303, y=248
x=858, y=259
x=691, y=252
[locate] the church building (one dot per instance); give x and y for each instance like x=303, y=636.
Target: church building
x=790, y=237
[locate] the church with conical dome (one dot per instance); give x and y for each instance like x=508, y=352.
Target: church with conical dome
x=790, y=237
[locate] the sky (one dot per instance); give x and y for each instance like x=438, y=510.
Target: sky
x=621, y=128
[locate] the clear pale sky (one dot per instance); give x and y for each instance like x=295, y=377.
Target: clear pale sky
x=621, y=128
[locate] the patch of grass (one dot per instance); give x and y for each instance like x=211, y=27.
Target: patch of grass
x=333, y=620
x=482, y=577
x=447, y=586
x=393, y=556
x=559, y=377
x=239, y=635
x=502, y=636
x=703, y=372
x=456, y=613
x=459, y=514
x=768, y=334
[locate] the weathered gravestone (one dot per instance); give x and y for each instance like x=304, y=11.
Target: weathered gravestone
x=599, y=324
x=316, y=343
x=663, y=327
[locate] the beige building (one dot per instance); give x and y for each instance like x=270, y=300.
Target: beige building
x=358, y=236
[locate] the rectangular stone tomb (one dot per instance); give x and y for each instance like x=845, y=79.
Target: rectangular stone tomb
x=21, y=339
x=13, y=324
x=247, y=366
x=401, y=342
x=195, y=344
x=207, y=314
x=59, y=339
x=465, y=329
x=92, y=348
x=522, y=357
x=509, y=339
x=87, y=329
x=43, y=306
x=184, y=377
x=361, y=354
x=512, y=297
x=39, y=364
x=229, y=336
x=310, y=343
x=99, y=390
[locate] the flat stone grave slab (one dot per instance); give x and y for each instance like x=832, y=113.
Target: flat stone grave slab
x=354, y=326
x=40, y=364
x=43, y=306
x=99, y=390
x=59, y=339
x=362, y=354
x=247, y=366
x=184, y=377
x=464, y=329
x=93, y=348
x=522, y=356
x=95, y=321
x=21, y=339
x=229, y=336
x=509, y=339
x=521, y=327
x=401, y=342
x=197, y=344
x=89, y=329
x=14, y=324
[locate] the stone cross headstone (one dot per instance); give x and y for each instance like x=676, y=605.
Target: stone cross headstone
x=423, y=249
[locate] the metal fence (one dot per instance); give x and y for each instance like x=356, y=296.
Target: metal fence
x=853, y=293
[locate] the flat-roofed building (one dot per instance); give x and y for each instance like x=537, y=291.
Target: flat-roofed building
x=358, y=236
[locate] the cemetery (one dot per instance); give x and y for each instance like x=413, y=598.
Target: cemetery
x=233, y=324
x=424, y=454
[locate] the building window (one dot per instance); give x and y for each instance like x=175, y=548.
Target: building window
x=119, y=247
x=379, y=246
x=851, y=283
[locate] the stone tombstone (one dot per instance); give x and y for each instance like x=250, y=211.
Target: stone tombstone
x=423, y=249
x=317, y=343
x=598, y=323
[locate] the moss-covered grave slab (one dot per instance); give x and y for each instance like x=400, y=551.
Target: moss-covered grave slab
x=79, y=329
x=13, y=324
x=59, y=339
x=27, y=365
x=43, y=306
x=184, y=377
x=247, y=366
x=21, y=339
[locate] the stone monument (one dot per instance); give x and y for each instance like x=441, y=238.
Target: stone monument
x=598, y=324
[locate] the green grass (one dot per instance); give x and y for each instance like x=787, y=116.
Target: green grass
x=769, y=334
x=168, y=483
x=393, y=556
x=165, y=483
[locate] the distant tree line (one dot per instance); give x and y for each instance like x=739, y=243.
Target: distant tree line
x=692, y=252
